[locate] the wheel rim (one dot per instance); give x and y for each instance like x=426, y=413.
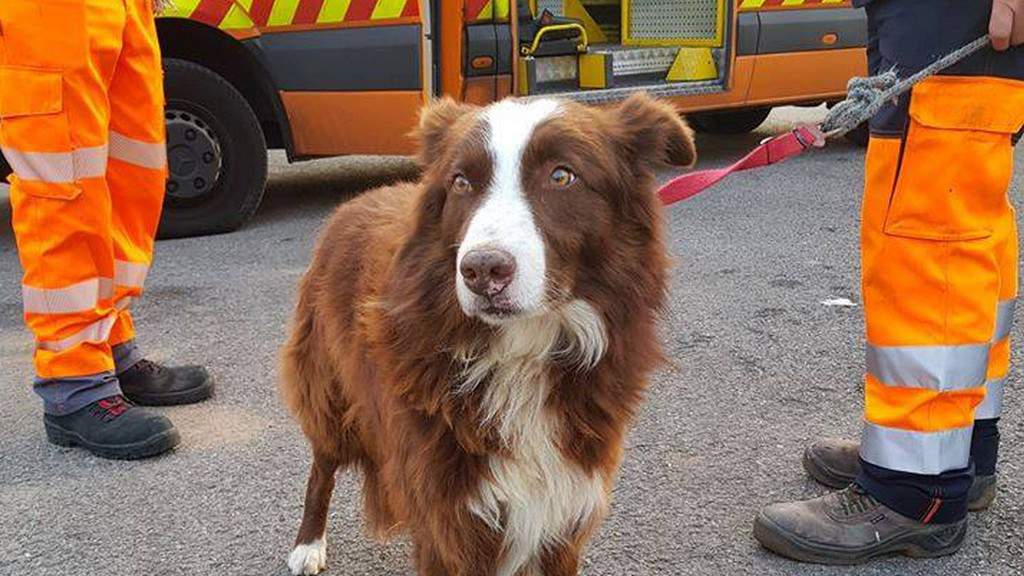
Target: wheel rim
x=195, y=162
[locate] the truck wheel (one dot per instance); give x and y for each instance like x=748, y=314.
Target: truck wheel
x=728, y=121
x=216, y=154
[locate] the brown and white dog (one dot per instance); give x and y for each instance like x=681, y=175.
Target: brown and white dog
x=478, y=343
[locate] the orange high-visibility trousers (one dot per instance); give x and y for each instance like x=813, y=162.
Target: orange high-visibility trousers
x=939, y=257
x=81, y=124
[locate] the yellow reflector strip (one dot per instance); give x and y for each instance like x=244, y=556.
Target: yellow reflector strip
x=181, y=8
x=485, y=12
x=386, y=9
x=751, y=3
x=334, y=11
x=283, y=12
x=692, y=64
x=237, y=16
x=500, y=8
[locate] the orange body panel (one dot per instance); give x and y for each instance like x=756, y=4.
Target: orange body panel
x=450, y=61
x=777, y=79
x=243, y=33
x=797, y=76
x=329, y=123
x=486, y=89
x=756, y=80
x=818, y=5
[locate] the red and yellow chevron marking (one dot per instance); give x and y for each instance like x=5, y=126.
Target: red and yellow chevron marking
x=486, y=10
x=498, y=9
x=236, y=14
x=762, y=4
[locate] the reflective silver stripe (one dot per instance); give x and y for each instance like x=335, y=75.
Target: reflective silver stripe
x=1004, y=319
x=938, y=368
x=84, y=295
x=145, y=154
x=131, y=274
x=98, y=331
x=58, y=167
x=992, y=405
x=124, y=303
x=916, y=452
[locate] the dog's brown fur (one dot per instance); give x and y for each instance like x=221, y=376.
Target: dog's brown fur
x=378, y=344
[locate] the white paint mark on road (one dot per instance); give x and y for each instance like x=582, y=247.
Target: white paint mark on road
x=841, y=302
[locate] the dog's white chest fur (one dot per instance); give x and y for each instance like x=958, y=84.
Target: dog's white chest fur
x=543, y=495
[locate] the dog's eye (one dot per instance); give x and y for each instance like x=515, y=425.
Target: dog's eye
x=562, y=177
x=461, y=185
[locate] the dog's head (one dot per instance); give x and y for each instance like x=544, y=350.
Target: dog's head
x=530, y=195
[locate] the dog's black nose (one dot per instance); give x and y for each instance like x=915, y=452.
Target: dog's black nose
x=487, y=272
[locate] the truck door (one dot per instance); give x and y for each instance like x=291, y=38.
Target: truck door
x=487, y=65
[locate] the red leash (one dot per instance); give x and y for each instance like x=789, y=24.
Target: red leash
x=770, y=151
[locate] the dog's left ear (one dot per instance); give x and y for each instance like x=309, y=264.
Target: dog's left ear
x=436, y=120
x=655, y=132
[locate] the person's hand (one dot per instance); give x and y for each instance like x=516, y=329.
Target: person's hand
x=1006, y=25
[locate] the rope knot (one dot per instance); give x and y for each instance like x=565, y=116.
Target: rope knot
x=866, y=96
x=863, y=97
x=867, y=89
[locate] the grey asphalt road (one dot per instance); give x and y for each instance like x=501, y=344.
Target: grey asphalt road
x=761, y=368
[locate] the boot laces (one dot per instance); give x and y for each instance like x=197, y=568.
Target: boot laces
x=148, y=367
x=111, y=408
x=854, y=500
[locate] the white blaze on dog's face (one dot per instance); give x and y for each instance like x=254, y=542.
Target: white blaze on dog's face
x=502, y=235
x=536, y=198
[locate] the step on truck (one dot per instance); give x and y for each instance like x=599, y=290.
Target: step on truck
x=321, y=78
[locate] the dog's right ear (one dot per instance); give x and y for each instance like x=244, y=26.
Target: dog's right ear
x=655, y=133
x=436, y=120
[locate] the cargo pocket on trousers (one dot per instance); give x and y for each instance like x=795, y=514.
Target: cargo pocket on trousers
x=956, y=160
x=36, y=136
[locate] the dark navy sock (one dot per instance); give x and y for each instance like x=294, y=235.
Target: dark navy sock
x=985, y=446
x=938, y=499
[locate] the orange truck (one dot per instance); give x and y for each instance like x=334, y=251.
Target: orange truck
x=333, y=77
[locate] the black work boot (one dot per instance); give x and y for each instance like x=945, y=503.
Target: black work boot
x=151, y=384
x=113, y=428
x=982, y=492
x=850, y=527
x=835, y=463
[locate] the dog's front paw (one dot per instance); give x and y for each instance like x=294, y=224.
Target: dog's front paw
x=307, y=559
